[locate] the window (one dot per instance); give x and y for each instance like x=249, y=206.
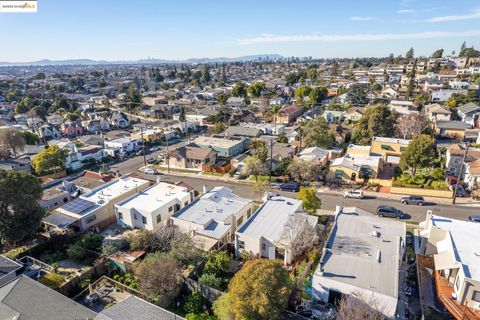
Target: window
x=170, y=209
x=249, y=213
x=338, y=174
x=65, y=200
x=476, y=296
x=239, y=221
x=135, y=216
x=386, y=147
x=457, y=283
x=264, y=246
x=91, y=218
x=55, y=204
x=241, y=245
x=185, y=204
x=177, y=207
x=144, y=220
x=120, y=216
x=159, y=218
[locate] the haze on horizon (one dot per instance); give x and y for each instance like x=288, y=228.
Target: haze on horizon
x=119, y=31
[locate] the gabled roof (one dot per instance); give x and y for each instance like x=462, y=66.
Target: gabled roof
x=454, y=125
x=469, y=107
x=193, y=151
x=27, y=299
x=437, y=108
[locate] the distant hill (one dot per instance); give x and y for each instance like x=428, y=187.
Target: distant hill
x=47, y=62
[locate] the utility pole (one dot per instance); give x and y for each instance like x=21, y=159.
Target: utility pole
x=168, y=154
x=271, y=162
x=459, y=174
x=143, y=148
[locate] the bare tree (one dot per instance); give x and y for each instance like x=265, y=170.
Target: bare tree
x=410, y=125
x=12, y=140
x=302, y=171
x=255, y=167
x=298, y=234
x=160, y=278
x=360, y=306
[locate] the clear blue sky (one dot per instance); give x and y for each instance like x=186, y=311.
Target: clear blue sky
x=180, y=29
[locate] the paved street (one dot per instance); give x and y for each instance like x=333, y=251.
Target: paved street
x=329, y=201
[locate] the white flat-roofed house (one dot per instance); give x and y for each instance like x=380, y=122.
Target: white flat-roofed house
x=122, y=146
x=96, y=208
x=316, y=154
x=152, y=207
x=361, y=257
x=272, y=229
x=213, y=218
x=454, y=246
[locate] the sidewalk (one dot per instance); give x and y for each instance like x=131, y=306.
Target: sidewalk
x=468, y=202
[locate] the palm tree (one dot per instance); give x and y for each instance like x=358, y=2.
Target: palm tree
x=273, y=112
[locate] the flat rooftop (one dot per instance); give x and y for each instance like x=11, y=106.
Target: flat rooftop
x=216, y=142
x=363, y=251
x=464, y=236
x=155, y=197
x=392, y=140
x=113, y=189
x=270, y=219
x=212, y=210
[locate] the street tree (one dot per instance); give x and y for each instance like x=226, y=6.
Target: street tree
x=410, y=54
x=254, y=167
x=260, y=290
x=437, y=54
x=20, y=212
x=302, y=171
x=310, y=201
x=420, y=153
x=50, y=159
x=260, y=150
x=255, y=90
x=239, y=90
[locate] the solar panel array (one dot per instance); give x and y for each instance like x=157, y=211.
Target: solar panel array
x=77, y=206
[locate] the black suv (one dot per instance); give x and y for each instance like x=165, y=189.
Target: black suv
x=391, y=212
x=290, y=186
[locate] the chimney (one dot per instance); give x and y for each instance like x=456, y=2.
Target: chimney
x=158, y=179
x=338, y=210
x=205, y=188
x=117, y=173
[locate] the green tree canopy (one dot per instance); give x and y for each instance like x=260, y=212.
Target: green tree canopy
x=255, y=90
x=239, y=90
x=317, y=134
x=260, y=290
x=20, y=212
x=302, y=91
x=378, y=121
x=437, y=54
x=410, y=54
x=317, y=95
x=222, y=99
x=420, y=153
x=311, y=202
x=51, y=159
x=11, y=142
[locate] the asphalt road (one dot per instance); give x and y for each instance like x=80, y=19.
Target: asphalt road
x=329, y=201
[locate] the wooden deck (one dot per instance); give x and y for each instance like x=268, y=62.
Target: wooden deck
x=444, y=294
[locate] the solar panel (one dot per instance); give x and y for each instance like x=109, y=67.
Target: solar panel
x=77, y=206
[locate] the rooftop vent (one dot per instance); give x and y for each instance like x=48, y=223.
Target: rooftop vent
x=379, y=256
x=375, y=234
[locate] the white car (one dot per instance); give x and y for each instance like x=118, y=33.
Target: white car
x=354, y=194
x=150, y=171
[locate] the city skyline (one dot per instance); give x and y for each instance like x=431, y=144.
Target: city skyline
x=121, y=31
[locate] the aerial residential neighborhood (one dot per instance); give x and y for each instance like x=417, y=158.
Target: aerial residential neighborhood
x=257, y=161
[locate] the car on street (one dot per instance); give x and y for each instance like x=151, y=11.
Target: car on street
x=390, y=212
x=139, y=153
x=150, y=171
x=418, y=200
x=354, y=194
x=474, y=218
x=151, y=160
x=290, y=186
x=461, y=192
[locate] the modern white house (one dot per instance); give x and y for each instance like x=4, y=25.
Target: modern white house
x=213, y=218
x=361, y=257
x=151, y=208
x=122, y=146
x=95, y=209
x=453, y=244
x=272, y=229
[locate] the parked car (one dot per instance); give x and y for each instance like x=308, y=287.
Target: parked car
x=290, y=186
x=139, y=153
x=391, y=212
x=475, y=218
x=150, y=171
x=151, y=160
x=354, y=194
x=418, y=200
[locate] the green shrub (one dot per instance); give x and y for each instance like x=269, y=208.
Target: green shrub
x=218, y=263
x=194, y=303
x=52, y=280
x=211, y=280
x=14, y=253
x=92, y=241
x=76, y=251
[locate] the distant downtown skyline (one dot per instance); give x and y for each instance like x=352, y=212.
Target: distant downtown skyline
x=179, y=30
